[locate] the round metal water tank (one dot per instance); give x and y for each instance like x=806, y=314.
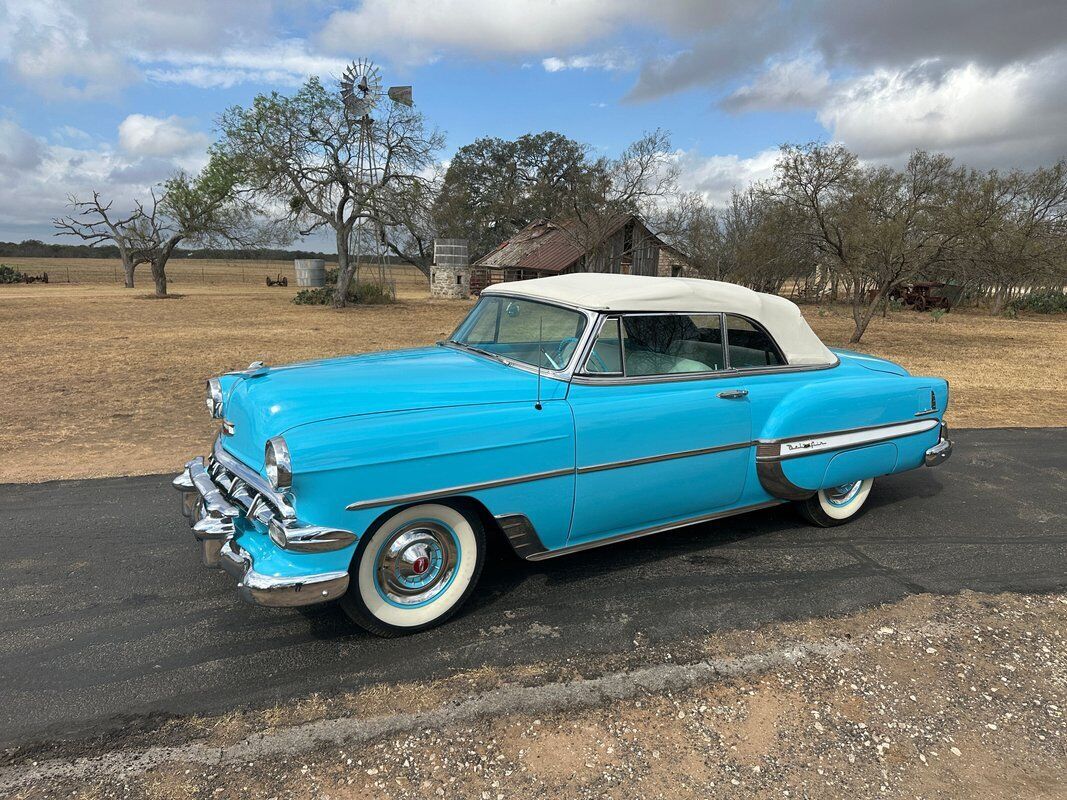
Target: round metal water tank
x=310, y=271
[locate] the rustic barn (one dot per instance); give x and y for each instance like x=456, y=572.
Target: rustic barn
x=546, y=248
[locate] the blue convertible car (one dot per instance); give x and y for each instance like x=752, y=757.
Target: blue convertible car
x=564, y=413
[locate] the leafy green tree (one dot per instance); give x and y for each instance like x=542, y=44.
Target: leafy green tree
x=495, y=187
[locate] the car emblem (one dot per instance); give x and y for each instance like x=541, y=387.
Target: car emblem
x=422, y=563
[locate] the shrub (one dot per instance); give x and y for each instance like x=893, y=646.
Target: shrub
x=1047, y=302
x=937, y=313
x=9, y=274
x=368, y=294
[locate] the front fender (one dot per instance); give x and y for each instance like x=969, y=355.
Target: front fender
x=385, y=461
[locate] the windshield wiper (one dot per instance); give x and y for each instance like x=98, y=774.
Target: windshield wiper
x=473, y=349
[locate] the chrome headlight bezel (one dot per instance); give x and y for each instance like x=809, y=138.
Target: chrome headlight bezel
x=277, y=463
x=214, y=398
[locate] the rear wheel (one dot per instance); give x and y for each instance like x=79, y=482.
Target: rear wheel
x=837, y=505
x=415, y=569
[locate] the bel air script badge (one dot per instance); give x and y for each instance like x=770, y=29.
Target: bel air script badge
x=804, y=445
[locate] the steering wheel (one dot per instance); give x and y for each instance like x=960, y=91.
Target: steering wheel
x=562, y=354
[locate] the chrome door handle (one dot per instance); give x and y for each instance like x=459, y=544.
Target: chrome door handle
x=733, y=394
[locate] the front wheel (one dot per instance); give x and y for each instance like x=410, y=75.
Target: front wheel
x=415, y=569
x=837, y=505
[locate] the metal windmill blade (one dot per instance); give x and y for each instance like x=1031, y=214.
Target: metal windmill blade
x=361, y=87
x=401, y=94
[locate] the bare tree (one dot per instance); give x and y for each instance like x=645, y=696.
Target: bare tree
x=302, y=153
x=204, y=208
x=636, y=182
x=876, y=226
x=1021, y=236
x=94, y=222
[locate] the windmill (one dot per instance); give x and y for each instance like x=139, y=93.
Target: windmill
x=361, y=91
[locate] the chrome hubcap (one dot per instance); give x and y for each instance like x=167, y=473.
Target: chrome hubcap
x=417, y=563
x=843, y=494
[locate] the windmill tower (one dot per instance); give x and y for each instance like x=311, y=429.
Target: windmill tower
x=361, y=91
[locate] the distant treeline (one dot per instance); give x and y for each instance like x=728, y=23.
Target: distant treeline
x=34, y=248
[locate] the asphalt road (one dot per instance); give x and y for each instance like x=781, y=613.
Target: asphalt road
x=107, y=620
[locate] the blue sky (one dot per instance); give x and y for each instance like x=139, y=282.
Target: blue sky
x=115, y=95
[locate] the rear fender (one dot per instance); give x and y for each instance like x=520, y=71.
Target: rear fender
x=828, y=433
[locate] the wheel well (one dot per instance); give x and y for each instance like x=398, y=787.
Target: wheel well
x=463, y=503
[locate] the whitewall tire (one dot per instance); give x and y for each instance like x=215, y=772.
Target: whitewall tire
x=837, y=505
x=415, y=569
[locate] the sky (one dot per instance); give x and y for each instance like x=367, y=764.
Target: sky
x=115, y=95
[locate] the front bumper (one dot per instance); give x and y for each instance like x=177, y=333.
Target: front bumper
x=940, y=452
x=223, y=500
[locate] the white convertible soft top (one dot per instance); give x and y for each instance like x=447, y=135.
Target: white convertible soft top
x=618, y=293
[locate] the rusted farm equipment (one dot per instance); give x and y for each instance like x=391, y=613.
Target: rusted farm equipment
x=926, y=295
x=281, y=280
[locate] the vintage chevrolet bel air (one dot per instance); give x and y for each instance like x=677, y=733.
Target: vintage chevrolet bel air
x=563, y=414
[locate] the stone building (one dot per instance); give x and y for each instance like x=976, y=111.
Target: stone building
x=450, y=275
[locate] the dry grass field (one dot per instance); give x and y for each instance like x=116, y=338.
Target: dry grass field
x=99, y=380
x=182, y=273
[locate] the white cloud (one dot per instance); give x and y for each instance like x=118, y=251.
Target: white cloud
x=143, y=135
x=43, y=175
x=715, y=177
x=416, y=31
x=50, y=48
x=799, y=83
x=1011, y=116
x=19, y=151
x=283, y=63
x=610, y=61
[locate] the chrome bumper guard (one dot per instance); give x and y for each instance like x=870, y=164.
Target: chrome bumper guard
x=940, y=452
x=215, y=494
x=266, y=590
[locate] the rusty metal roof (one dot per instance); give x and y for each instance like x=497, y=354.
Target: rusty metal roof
x=543, y=246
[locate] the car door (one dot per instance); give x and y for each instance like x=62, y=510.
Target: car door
x=661, y=435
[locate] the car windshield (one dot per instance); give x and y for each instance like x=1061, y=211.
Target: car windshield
x=517, y=329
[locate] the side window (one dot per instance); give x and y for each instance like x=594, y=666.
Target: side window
x=750, y=346
x=646, y=345
x=606, y=356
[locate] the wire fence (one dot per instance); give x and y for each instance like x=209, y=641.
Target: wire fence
x=199, y=271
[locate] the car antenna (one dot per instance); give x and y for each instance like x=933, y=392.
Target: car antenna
x=540, y=357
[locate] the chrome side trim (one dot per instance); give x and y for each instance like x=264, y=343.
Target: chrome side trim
x=775, y=483
x=577, y=548
x=926, y=411
x=633, y=462
x=797, y=446
x=437, y=494
x=590, y=380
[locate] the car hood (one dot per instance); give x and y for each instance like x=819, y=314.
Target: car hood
x=403, y=380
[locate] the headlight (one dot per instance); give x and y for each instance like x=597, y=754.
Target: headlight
x=214, y=398
x=279, y=468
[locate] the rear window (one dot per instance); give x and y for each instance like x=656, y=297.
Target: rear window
x=750, y=346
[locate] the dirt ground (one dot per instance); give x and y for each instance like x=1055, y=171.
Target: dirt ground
x=932, y=697
x=100, y=380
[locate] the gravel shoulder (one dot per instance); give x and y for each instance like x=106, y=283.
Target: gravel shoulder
x=933, y=696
